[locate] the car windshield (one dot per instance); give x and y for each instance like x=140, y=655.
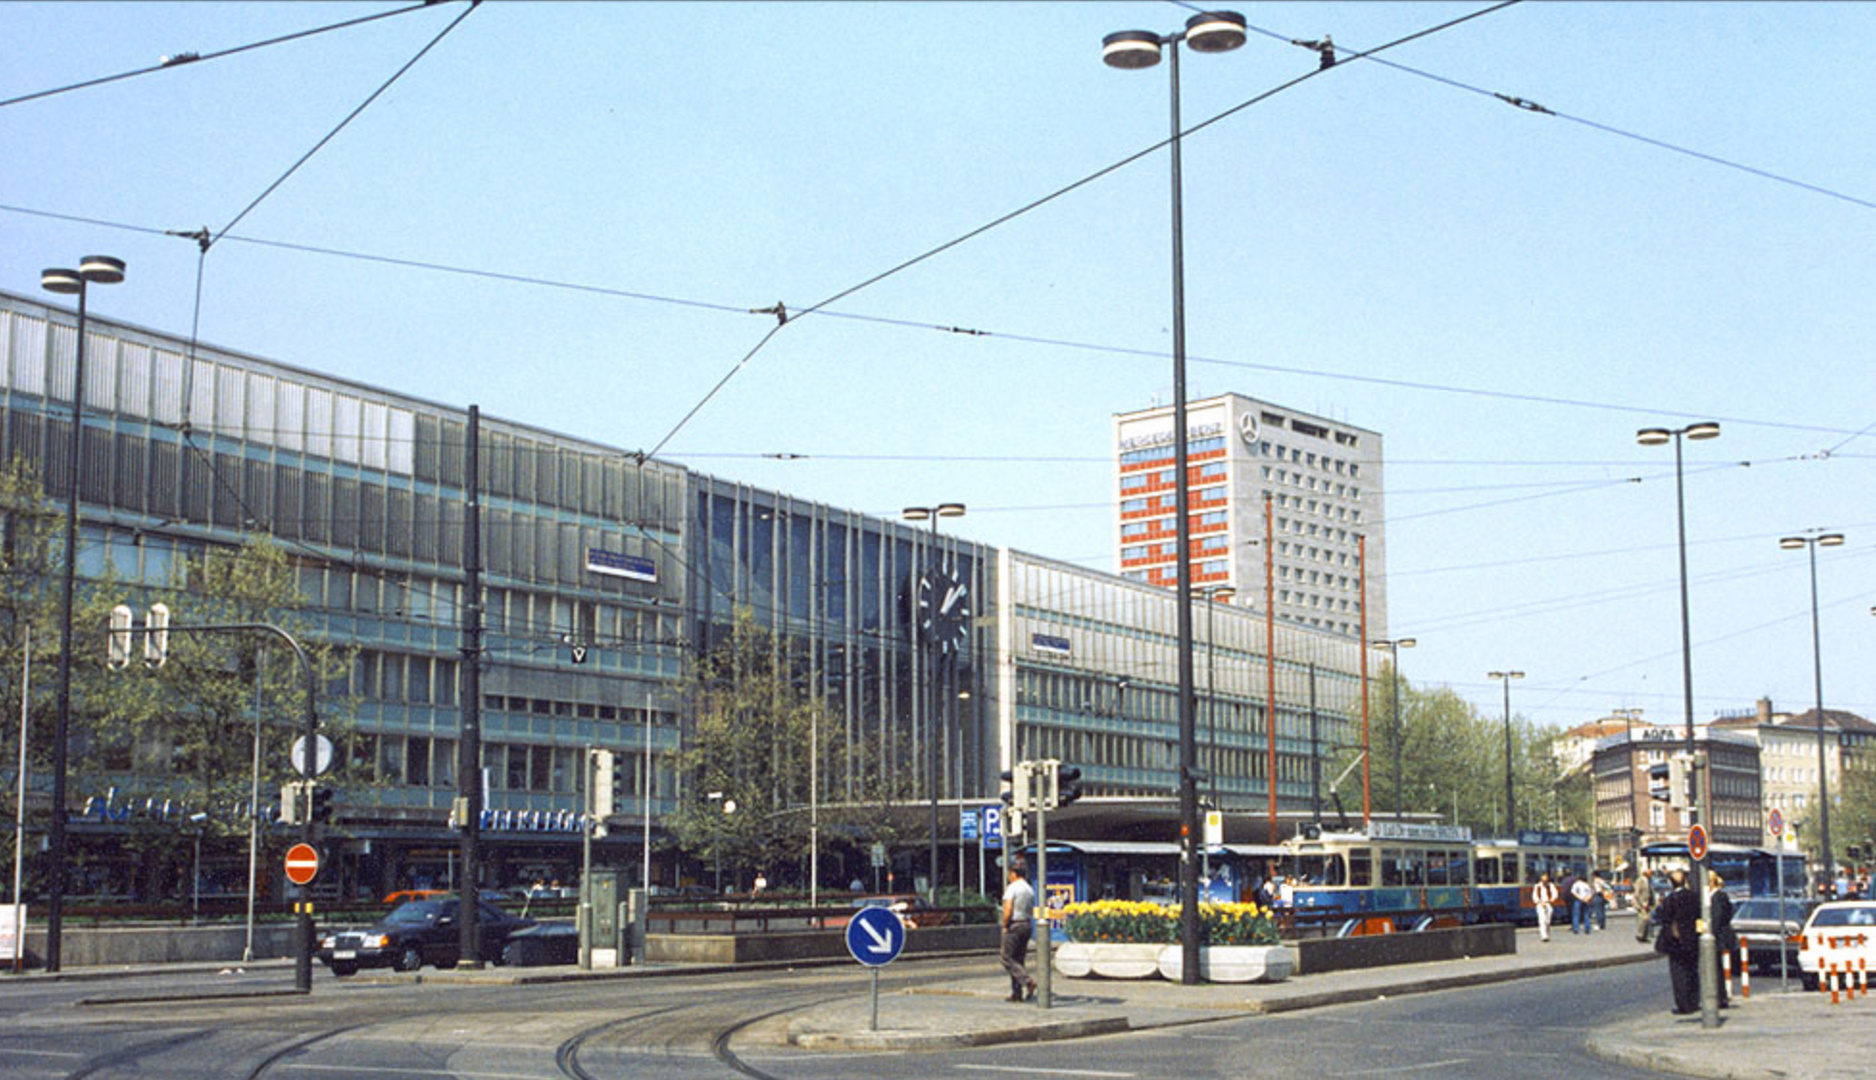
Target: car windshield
x=420, y=912
x=1767, y=910
x=1845, y=916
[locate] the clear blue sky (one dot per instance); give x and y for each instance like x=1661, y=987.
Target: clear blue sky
x=1555, y=285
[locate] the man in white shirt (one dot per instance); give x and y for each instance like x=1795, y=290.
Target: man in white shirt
x=1018, y=917
x=1544, y=899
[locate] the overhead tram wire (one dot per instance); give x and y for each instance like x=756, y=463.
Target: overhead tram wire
x=785, y=318
x=184, y=59
x=1066, y=343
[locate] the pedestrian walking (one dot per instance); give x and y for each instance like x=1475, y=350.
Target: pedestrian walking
x=1680, y=941
x=1604, y=899
x=1018, y=916
x=1544, y=899
x=1644, y=906
x=1580, y=896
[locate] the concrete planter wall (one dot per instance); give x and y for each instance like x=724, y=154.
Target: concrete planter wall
x=1230, y=963
x=89, y=946
x=804, y=944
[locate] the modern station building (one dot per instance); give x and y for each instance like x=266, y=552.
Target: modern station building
x=1312, y=485
x=641, y=564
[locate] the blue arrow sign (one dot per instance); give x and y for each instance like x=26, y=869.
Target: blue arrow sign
x=875, y=936
x=993, y=826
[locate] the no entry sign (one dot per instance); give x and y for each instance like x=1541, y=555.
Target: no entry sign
x=302, y=863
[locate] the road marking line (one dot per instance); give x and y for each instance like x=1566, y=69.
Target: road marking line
x=41, y=1053
x=1422, y=1067
x=1044, y=1072
x=395, y=1071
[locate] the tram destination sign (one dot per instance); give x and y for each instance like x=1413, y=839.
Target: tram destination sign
x=1409, y=830
x=1537, y=838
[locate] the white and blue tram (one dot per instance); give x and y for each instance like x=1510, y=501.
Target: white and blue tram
x=1744, y=871
x=1395, y=876
x=1505, y=869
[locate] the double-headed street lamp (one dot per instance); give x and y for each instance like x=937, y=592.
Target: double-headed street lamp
x=939, y=601
x=1511, y=814
x=1206, y=32
x=92, y=270
x=1707, y=429
x=1810, y=542
x=1393, y=647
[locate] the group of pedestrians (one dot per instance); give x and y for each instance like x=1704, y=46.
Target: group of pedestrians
x=1677, y=919
x=1590, y=899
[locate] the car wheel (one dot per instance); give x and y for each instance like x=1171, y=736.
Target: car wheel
x=410, y=958
x=342, y=970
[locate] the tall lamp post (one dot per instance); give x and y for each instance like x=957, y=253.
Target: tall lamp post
x=1206, y=32
x=1709, y=990
x=1393, y=647
x=1511, y=813
x=932, y=696
x=92, y=270
x=1810, y=542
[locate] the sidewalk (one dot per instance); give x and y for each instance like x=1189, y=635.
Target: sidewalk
x=1770, y=1036
x=976, y=1012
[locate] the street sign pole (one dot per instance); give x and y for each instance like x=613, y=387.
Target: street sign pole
x=1778, y=858
x=1046, y=924
x=875, y=937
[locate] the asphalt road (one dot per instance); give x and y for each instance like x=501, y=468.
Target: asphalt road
x=725, y=1026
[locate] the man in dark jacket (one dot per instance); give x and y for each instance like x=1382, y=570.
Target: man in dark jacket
x=1725, y=937
x=1679, y=916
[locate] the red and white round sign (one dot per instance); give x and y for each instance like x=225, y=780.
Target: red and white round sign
x=1777, y=823
x=302, y=863
x=1697, y=842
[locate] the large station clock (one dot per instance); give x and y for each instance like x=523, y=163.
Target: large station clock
x=944, y=611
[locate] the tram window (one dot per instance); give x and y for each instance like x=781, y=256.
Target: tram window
x=1324, y=870
x=1439, y=868
x=1535, y=866
x=1486, y=871
x=1361, y=867
x=1402, y=868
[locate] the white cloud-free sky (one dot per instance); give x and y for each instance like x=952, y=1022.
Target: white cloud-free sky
x=1507, y=295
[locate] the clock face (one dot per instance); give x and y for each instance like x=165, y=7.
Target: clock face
x=944, y=610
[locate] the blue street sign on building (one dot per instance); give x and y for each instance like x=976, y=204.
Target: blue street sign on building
x=993, y=826
x=967, y=824
x=875, y=936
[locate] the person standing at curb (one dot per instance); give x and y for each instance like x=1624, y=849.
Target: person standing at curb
x=1680, y=941
x=1018, y=916
x=1603, y=901
x=1723, y=933
x=1544, y=899
x=1644, y=906
x=1580, y=896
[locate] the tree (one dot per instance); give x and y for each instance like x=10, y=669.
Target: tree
x=748, y=748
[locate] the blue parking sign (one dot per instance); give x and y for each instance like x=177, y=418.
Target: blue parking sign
x=967, y=824
x=993, y=826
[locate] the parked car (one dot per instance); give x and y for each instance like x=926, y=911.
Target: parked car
x=1756, y=923
x=1832, y=919
x=542, y=944
x=416, y=933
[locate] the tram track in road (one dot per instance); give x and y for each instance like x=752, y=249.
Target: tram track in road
x=135, y=1052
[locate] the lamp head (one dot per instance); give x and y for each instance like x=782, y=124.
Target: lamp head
x=1830, y=540
x=950, y=509
x=101, y=269
x=916, y=513
x=55, y=280
x=1215, y=31
x=1130, y=49
x=1791, y=543
x=1706, y=429
x=1653, y=436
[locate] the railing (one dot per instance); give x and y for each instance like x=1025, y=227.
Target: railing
x=744, y=919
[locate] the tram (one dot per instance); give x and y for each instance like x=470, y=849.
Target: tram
x=1744, y=871
x=1396, y=876
x=1505, y=869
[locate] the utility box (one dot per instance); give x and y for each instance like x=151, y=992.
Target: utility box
x=602, y=892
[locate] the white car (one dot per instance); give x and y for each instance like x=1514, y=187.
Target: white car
x=1836, y=919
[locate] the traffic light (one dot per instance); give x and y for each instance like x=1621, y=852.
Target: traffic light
x=1020, y=795
x=292, y=802
x=118, y=647
x=1671, y=781
x=599, y=794
x=156, y=637
x=1067, y=785
x=322, y=803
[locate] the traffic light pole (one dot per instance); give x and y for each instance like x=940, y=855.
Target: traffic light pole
x=1045, y=925
x=303, y=939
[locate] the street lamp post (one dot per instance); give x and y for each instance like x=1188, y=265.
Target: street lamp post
x=1709, y=990
x=1511, y=812
x=1211, y=31
x=932, y=696
x=92, y=270
x=1810, y=542
x=1393, y=647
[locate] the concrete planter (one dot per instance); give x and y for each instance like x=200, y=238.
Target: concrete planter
x=1107, y=960
x=1230, y=963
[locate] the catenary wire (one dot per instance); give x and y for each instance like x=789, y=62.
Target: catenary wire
x=188, y=58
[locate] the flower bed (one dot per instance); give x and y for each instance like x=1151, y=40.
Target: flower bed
x=1132, y=922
